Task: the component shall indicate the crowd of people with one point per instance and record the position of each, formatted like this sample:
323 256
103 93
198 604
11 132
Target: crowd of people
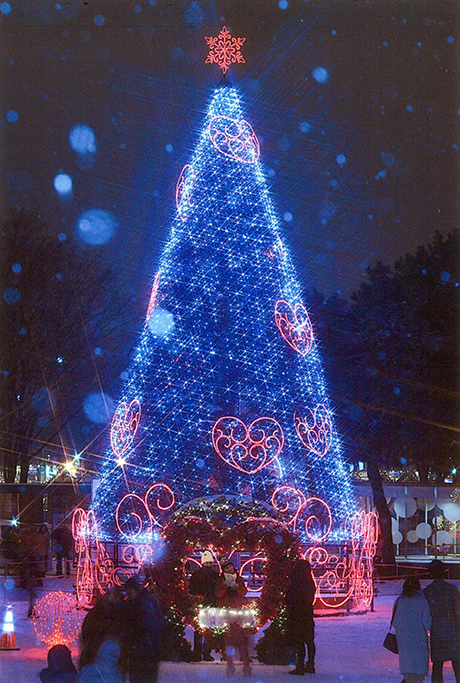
123 635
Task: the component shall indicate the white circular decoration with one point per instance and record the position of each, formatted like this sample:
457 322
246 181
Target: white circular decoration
412 536
405 504
442 502
442 538
425 503
452 512
397 537
423 530
394 524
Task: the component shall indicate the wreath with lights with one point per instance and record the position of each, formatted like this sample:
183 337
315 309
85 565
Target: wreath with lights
202 524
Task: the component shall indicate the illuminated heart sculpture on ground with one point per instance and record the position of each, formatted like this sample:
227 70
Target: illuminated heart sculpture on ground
295 325
247 449
315 429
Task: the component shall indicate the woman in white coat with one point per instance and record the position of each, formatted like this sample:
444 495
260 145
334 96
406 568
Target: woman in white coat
412 620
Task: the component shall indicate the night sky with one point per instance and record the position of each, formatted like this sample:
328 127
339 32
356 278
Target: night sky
354 103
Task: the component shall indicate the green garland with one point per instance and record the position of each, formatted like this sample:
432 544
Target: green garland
204 524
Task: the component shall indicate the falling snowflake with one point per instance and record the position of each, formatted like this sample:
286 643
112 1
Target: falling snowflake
224 50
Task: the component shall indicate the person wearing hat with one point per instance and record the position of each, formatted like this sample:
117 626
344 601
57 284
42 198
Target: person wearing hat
202 584
444 601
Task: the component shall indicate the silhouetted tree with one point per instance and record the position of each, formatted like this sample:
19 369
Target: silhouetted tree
392 357
57 303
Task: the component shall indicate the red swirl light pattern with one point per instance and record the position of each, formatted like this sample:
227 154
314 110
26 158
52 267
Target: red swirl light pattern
235 139
95 569
184 188
341 578
132 517
224 50
135 516
247 449
295 326
338 576
313 512
153 297
159 499
57 618
315 429
289 502
125 424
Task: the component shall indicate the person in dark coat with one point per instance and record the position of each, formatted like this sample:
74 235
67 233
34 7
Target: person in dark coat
60 666
230 593
203 584
444 601
300 625
411 620
104 621
144 633
63 545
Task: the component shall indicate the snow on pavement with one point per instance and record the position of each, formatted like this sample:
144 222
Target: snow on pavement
349 650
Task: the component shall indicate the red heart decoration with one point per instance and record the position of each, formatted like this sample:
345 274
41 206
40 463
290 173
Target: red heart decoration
295 325
125 424
248 449
315 429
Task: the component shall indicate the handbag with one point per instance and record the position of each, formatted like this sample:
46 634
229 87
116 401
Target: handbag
390 641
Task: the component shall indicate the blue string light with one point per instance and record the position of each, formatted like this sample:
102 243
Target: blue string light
226 392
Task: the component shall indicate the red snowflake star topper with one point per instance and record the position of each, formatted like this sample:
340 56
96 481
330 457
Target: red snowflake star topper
224 50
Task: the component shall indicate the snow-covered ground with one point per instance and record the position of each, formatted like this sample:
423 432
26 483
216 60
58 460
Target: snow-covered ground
349 649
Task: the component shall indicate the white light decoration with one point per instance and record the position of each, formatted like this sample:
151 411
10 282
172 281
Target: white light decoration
397 537
222 617
405 506
452 512
412 536
226 376
423 530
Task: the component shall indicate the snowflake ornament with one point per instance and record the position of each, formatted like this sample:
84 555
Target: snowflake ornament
224 50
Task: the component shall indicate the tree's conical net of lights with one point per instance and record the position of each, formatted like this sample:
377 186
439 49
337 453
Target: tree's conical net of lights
225 393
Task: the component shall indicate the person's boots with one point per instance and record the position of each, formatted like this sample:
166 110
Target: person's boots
299 670
310 667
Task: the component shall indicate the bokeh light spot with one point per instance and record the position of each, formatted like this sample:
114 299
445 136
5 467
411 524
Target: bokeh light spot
99 407
62 183
161 323
283 4
341 159
320 74
96 226
11 295
5 8
99 20
82 139
16 267
12 116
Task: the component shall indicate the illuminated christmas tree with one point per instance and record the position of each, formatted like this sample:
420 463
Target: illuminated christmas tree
225 394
